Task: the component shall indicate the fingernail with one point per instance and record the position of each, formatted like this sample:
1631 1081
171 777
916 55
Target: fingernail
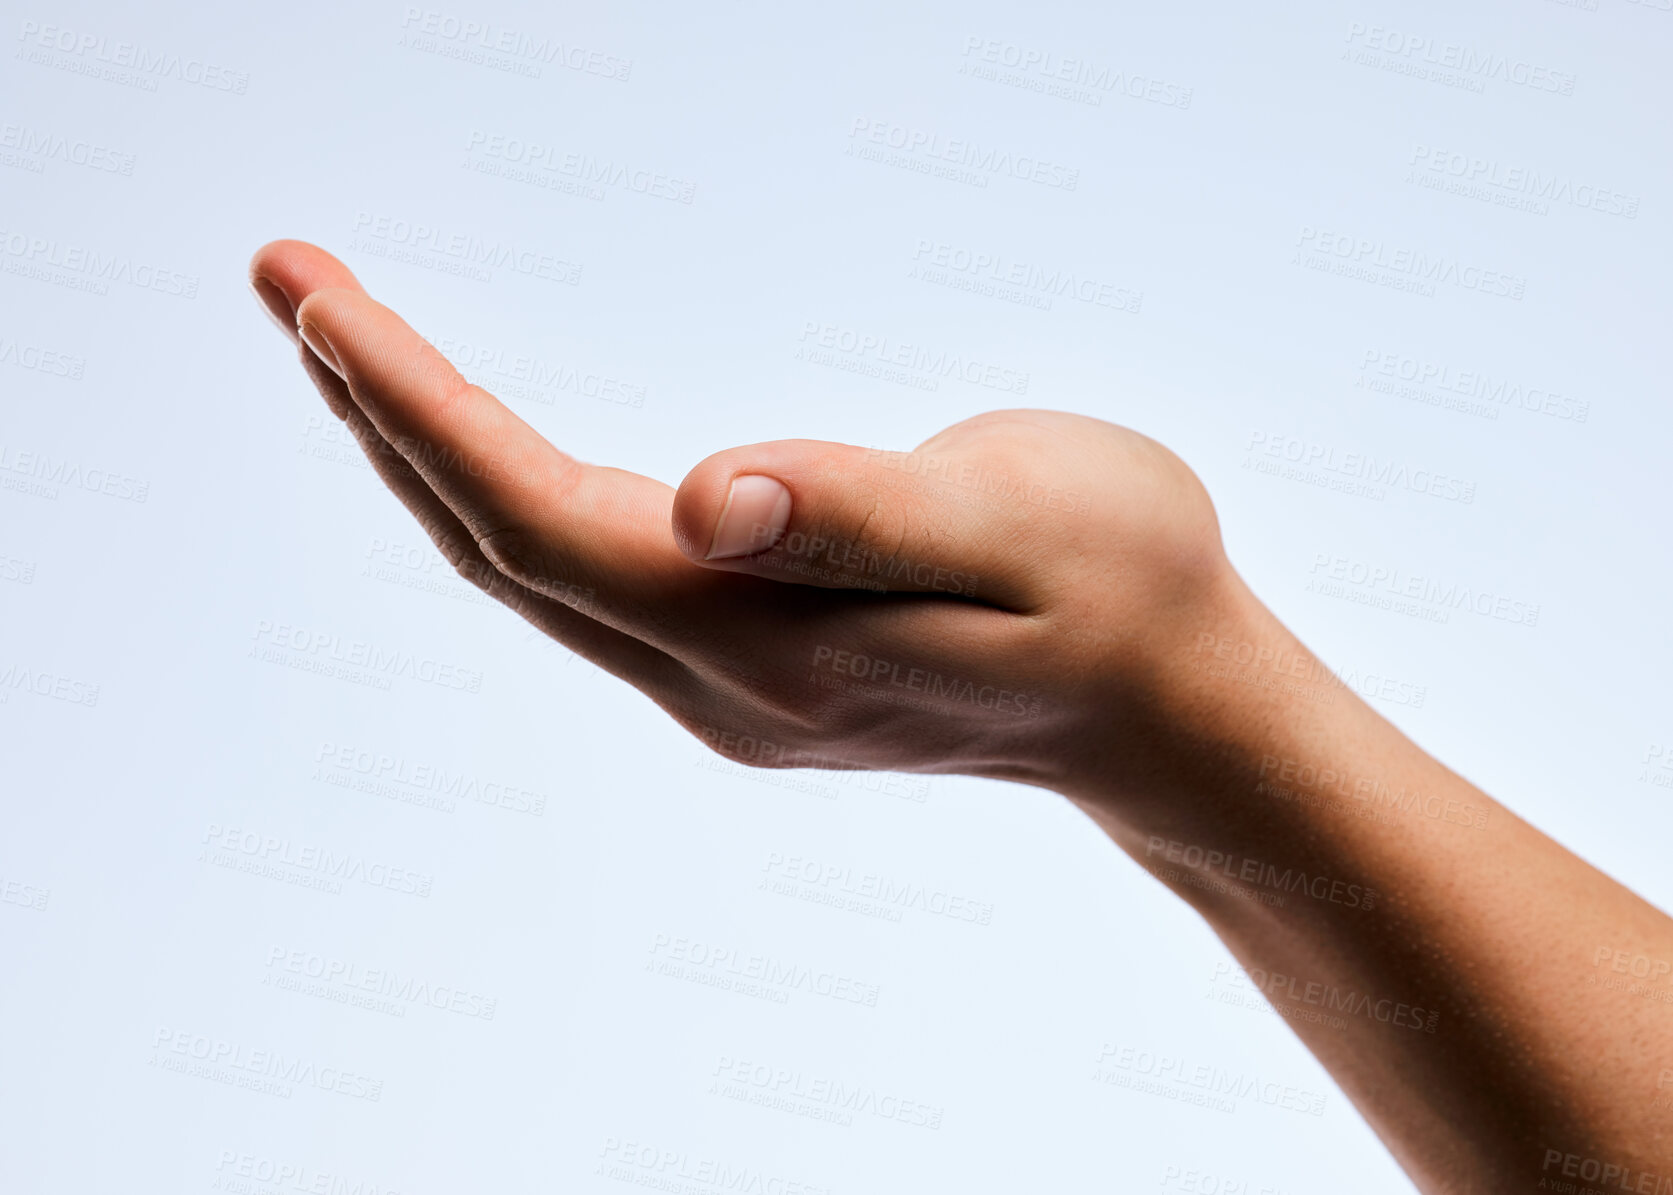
322 349
756 514
273 301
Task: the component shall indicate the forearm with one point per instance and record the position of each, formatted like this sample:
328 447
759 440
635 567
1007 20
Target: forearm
1108 615
1467 964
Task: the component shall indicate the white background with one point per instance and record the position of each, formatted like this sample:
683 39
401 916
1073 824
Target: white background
146 704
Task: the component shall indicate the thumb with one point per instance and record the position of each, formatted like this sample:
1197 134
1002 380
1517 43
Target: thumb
813 512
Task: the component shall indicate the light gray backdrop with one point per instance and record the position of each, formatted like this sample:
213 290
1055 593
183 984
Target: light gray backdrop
321 873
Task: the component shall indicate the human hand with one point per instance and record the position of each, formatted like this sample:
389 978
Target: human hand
996 602
1028 596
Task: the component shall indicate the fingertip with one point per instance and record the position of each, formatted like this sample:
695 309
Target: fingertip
344 314
326 321
265 260
297 269
743 496
754 518
699 501
277 305
328 303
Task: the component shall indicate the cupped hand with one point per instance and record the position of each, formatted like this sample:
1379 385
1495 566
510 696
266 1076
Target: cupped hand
1004 600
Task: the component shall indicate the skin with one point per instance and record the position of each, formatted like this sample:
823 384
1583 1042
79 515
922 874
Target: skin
1507 1005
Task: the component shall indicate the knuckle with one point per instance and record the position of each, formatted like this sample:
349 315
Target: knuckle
886 529
812 712
867 521
511 552
461 553
454 393
778 695
531 563
454 547
480 574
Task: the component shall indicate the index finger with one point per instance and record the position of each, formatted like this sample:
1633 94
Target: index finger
548 521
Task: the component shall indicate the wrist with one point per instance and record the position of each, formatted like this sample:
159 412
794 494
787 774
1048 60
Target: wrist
1227 702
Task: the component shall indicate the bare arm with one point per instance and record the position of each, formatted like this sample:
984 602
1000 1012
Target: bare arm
1041 597
1500 1011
